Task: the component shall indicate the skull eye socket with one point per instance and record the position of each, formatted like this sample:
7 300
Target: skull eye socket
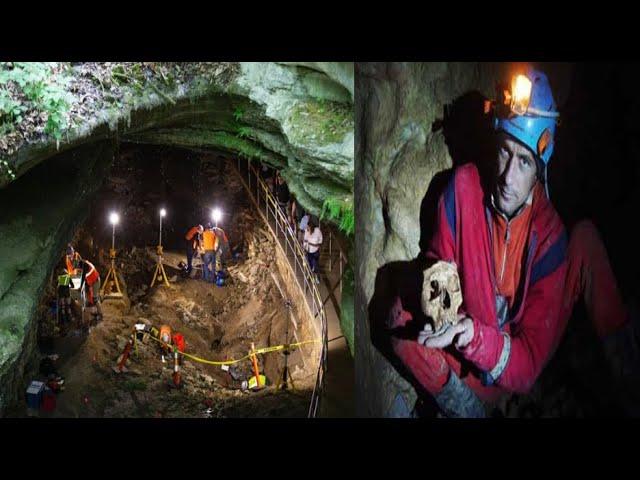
435 290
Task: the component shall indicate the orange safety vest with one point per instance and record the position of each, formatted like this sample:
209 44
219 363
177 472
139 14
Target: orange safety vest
209 240
165 336
71 269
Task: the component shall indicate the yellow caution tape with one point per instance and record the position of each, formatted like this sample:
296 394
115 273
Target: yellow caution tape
276 348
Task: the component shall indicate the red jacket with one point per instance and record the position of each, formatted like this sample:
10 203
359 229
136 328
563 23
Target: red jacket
513 356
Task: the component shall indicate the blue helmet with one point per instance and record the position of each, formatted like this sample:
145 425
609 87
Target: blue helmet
532 116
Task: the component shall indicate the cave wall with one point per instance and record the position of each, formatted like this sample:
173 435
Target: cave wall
339 72
401 147
308 326
295 116
38 214
347 320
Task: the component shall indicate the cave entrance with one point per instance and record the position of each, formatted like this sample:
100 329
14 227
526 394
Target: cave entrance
217 322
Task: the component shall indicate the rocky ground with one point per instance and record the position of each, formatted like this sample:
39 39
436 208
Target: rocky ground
218 323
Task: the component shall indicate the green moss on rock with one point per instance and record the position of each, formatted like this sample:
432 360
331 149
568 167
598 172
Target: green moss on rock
323 121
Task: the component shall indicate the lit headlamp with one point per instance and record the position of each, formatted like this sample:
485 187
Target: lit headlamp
520 94
519 98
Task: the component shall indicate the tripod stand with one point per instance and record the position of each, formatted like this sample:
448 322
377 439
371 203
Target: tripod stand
112 277
159 273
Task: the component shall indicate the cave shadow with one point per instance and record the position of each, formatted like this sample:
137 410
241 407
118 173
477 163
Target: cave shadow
469 137
401 279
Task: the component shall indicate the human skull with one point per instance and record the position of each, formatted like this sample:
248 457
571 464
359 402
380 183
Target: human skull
441 294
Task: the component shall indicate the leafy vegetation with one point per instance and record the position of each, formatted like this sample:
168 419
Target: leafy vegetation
324 120
27 87
11 110
238 113
135 77
243 132
341 211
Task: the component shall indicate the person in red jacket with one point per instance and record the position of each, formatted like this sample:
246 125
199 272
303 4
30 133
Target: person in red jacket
519 271
90 281
192 238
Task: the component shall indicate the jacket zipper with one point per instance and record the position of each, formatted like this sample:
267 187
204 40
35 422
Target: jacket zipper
506 247
492 264
530 249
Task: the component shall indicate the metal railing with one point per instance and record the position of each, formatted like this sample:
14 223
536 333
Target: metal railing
342 260
277 222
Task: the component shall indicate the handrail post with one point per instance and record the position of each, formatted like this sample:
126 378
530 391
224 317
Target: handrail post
330 257
311 293
340 275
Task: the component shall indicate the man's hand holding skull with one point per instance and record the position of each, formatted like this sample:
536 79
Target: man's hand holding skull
459 334
441 298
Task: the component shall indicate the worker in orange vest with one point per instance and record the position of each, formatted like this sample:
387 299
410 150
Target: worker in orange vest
209 245
193 244
165 337
72 260
72 268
